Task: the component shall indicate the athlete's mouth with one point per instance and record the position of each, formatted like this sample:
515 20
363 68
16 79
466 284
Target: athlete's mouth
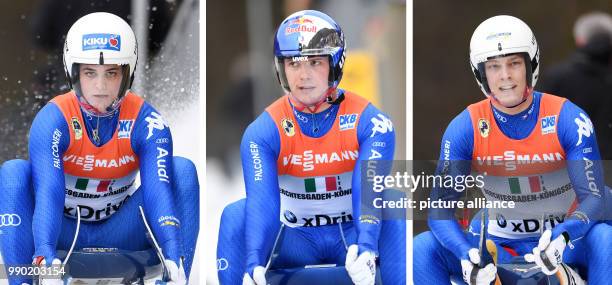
306 88
507 87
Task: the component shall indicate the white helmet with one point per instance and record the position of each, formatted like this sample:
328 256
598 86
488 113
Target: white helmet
101 38
500 36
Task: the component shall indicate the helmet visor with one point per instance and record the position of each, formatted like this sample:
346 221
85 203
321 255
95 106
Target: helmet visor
76 83
482 74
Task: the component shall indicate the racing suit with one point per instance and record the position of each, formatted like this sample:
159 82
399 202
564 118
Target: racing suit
91 164
550 131
302 171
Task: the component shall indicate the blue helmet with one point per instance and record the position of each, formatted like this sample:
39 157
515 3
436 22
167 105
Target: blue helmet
309 33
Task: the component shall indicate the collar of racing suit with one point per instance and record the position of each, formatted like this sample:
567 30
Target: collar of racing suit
520 125
316 124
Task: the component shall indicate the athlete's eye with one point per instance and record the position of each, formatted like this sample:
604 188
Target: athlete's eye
90 74
493 66
111 74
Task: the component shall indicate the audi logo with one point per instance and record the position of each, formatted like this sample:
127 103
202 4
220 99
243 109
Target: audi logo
9 220
222 264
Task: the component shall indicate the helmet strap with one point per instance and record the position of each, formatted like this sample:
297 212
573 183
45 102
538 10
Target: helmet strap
327 97
91 110
526 94
126 83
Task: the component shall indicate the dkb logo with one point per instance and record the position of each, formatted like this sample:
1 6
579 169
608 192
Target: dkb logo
348 122
548 124
125 128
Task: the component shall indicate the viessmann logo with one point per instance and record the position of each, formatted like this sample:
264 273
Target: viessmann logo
510 159
88 162
9 220
309 159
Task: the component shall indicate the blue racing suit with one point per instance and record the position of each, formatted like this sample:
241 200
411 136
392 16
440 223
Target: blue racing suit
309 237
437 253
46 198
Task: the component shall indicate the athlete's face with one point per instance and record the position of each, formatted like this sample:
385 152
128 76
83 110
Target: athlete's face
507 79
308 78
100 84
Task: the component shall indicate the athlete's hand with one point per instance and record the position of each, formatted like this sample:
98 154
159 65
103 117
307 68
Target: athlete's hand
259 277
54 267
484 276
548 254
362 268
175 273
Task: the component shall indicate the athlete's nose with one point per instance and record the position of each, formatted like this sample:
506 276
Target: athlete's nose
100 83
305 71
505 72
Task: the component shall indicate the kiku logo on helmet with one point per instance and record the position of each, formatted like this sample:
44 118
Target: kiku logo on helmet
101 41
9 220
114 42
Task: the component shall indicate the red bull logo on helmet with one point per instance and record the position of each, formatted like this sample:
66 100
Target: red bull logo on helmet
101 42
301 24
301 21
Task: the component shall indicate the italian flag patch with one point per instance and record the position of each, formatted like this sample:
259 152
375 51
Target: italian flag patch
322 184
524 185
82 183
